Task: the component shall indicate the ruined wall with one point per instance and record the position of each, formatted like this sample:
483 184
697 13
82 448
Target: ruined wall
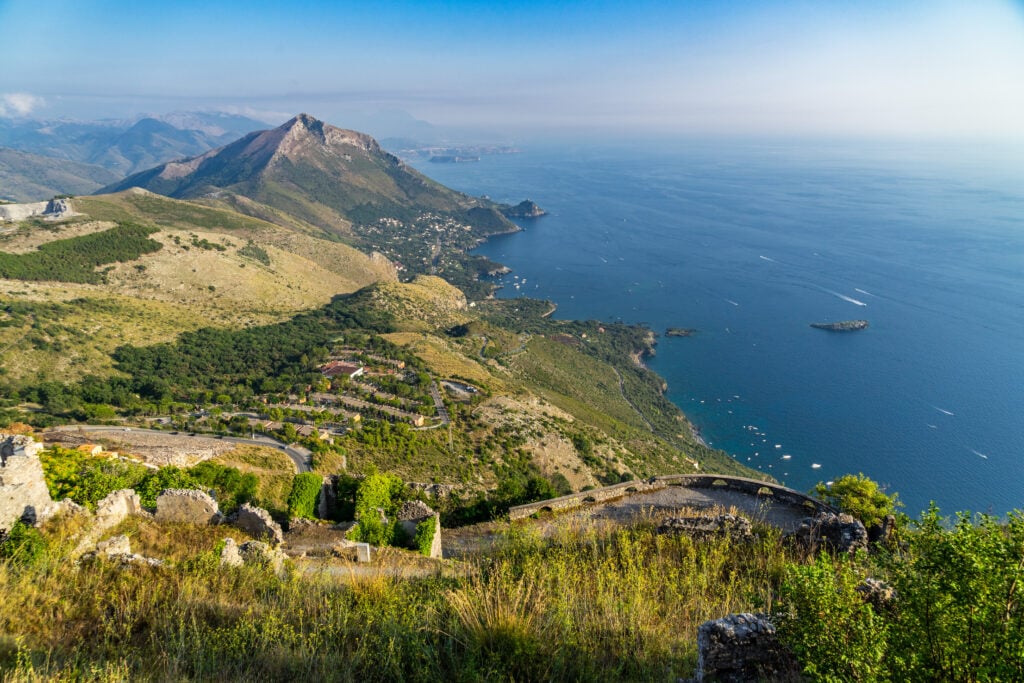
23 492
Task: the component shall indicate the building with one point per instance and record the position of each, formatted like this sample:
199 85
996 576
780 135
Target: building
337 368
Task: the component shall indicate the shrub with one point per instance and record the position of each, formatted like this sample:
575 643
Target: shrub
22 544
834 633
303 498
961 617
425 535
377 492
859 496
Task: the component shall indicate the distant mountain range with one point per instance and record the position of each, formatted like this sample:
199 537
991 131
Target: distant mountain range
26 177
125 147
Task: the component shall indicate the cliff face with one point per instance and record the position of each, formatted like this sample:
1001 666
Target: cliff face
23 492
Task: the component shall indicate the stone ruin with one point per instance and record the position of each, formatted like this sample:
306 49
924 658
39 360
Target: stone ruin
259 524
743 647
23 492
252 553
409 517
840 533
705 527
119 549
187 505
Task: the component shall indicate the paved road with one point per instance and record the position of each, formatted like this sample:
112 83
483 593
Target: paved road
302 457
442 412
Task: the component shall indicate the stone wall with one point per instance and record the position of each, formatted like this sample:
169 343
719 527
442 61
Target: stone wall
188 506
23 492
410 515
754 487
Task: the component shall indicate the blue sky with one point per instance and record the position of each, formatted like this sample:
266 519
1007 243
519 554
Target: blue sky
899 67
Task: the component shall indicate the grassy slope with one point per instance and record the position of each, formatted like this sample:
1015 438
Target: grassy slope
182 287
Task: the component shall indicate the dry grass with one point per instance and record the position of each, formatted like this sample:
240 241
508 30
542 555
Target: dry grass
274 469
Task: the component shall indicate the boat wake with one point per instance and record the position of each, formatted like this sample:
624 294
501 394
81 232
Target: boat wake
846 298
979 454
765 258
943 411
864 291
732 302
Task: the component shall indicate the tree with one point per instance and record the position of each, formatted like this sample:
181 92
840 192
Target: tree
859 496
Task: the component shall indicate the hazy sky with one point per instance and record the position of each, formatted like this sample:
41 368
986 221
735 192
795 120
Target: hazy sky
851 67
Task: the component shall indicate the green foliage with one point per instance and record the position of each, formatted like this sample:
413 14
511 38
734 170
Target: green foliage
75 259
256 253
835 634
88 479
859 496
961 614
425 531
377 492
22 544
303 498
231 488
155 482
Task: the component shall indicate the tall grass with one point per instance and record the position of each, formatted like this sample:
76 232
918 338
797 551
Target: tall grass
584 604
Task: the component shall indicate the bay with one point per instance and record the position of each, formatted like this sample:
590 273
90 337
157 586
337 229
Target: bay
749 242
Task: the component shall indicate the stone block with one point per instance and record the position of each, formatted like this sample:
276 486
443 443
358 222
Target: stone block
742 647
188 506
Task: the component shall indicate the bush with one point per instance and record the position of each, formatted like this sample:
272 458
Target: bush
303 498
22 544
425 535
859 496
377 492
961 617
834 633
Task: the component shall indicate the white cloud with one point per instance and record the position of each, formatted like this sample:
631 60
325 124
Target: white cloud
19 104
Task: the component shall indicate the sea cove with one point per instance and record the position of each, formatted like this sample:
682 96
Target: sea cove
748 243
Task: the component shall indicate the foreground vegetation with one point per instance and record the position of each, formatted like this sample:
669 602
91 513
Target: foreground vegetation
584 604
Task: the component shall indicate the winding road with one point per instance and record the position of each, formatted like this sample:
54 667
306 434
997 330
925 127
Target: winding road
300 456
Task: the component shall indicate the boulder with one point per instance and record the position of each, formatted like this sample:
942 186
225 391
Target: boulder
840 533
188 506
703 527
111 511
262 554
259 524
743 647
229 555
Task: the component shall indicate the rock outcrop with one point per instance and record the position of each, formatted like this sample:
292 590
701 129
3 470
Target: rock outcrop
840 533
742 647
53 210
23 492
188 506
524 209
411 515
259 524
111 511
738 528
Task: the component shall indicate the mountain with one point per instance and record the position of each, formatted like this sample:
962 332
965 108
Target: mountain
126 146
26 177
327 176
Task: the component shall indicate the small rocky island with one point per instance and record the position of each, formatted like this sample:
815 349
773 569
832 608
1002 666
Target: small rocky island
524 209
843 326
680 332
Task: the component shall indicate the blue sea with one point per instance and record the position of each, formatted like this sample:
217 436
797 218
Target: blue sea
749 242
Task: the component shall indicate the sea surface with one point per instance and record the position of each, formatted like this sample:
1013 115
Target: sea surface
750 242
